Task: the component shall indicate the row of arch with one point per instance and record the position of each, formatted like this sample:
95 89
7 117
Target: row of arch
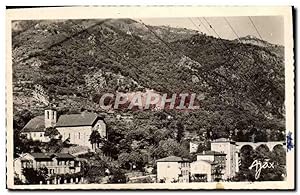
262 146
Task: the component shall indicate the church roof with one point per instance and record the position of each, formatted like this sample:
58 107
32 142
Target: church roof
173 159
82 119
36 124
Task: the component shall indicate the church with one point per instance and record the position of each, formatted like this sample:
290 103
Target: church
77 128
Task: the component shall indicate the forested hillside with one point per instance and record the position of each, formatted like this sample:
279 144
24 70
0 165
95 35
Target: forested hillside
240 84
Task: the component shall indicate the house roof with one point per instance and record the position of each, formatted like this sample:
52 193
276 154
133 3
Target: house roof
49 156
82 119
41 156
223 140
211 153
173 159
36 124
63 156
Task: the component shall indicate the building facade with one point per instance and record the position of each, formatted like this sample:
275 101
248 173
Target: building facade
173 169
55 163
209 166
76 128
229 148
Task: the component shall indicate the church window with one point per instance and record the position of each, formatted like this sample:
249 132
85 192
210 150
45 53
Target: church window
47 114
78 135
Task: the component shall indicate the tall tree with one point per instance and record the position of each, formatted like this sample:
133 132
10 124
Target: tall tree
95 139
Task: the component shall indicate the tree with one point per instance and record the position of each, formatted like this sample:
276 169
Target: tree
118 176
260 136
246 159
132 159
35 176
20 119
95 139
170 147
218 172
24 145
180 132
204 146
55 145
17 180
51 132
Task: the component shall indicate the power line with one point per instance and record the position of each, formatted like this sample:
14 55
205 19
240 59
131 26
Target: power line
232 28
216 34
159 38
180 54
204 26
203 76
198 27
211 27
255 27
175 52
242 77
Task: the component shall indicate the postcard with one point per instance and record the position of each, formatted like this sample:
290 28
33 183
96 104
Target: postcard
141 97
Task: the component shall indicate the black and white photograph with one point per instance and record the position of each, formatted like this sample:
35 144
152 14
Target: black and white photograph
151 102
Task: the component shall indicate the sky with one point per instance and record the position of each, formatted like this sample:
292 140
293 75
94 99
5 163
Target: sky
271 28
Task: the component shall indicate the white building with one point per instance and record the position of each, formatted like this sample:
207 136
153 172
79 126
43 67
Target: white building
229 148
208 166
194 146
56 163
173 169
77 128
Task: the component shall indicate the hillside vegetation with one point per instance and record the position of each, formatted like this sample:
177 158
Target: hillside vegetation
241 84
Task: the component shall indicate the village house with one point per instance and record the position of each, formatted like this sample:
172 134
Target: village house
173 169
227 147
209 166
76 128
56 163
